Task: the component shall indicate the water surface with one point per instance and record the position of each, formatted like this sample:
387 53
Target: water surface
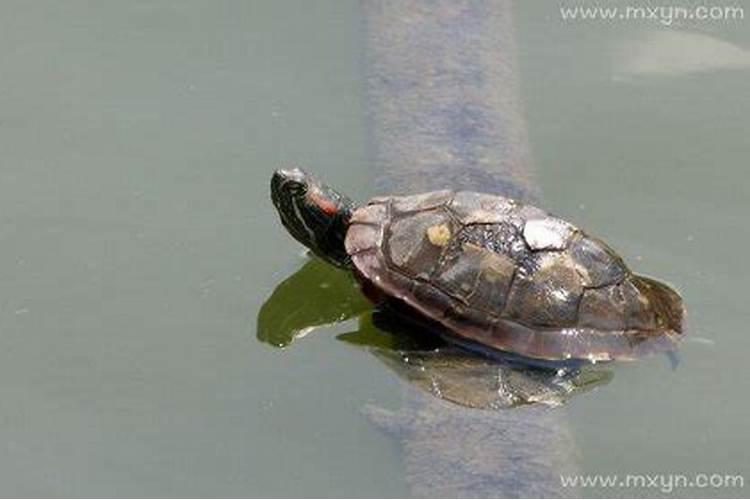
137 243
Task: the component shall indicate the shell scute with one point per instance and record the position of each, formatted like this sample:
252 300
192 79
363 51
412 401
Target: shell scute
549 295
362 237
494 282
602 308
458 274
425 201
597 263
417 241
477 208
478 277
502 238
530 212
370 214
549 233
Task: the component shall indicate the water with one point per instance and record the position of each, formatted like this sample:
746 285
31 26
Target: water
137 243
656 164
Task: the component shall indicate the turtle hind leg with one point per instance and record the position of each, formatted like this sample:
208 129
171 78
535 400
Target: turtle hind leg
668 305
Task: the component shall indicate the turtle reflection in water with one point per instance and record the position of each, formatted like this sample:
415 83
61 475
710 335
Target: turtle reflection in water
409 347
495 274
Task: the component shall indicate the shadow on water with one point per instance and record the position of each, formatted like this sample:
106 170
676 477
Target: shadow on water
319 294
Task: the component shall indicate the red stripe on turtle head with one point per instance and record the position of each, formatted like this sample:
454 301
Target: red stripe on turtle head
326 205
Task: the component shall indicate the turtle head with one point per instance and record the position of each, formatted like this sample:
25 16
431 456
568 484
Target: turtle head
315 214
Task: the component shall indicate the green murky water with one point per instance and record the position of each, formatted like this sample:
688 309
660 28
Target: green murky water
137 243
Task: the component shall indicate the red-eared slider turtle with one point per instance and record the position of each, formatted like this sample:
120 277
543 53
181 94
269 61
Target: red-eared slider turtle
493 271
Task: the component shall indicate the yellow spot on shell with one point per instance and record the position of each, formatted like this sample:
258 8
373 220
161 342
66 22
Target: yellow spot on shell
439 234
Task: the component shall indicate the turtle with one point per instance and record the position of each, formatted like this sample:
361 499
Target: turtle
499 275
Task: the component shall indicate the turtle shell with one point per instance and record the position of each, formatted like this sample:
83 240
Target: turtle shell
511 277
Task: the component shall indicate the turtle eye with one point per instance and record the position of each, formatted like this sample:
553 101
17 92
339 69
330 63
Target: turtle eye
288 183
295 188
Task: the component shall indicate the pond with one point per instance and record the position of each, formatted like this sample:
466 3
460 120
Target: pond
138 244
